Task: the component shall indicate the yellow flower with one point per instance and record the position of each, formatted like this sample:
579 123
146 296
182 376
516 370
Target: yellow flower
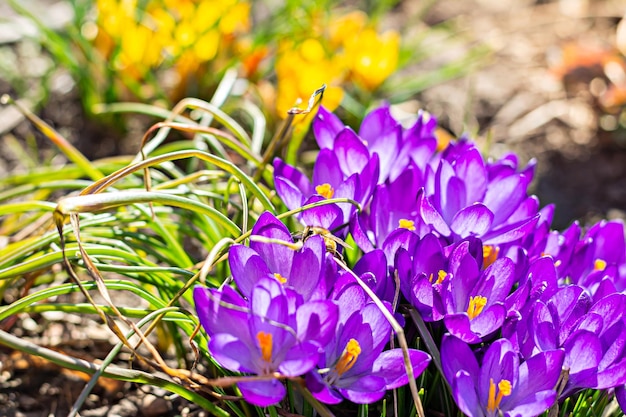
372 58
345 27
301 70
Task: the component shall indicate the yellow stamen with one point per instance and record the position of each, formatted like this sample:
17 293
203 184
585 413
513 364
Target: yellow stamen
265 343
325 190
406 224
504 390
280 278
441 275
599 265
490 254
476 306
348 357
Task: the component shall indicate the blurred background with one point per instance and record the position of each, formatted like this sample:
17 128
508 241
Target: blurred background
545 79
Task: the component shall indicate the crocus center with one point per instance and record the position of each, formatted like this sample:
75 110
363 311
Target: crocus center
348 357
495 398
599 265
265 343
490 254
280 278
476 306
406 224
441 275
325 190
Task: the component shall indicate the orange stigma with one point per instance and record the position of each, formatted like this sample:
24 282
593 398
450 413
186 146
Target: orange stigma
406 224
504 390
348 357
476 306
325 190
490 254
265 343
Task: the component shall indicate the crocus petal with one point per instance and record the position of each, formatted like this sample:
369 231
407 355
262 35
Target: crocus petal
456 355
348 189
233 354
612 376
474 220
583 353
300 359
538 374
510 232
454 199
327 216
501 274
535 405
375 263
262 393
326 169
277 257
365 390
359 232
317 321
215 317
422 296
470 167
390 366
307 265
380 327
499 362
247 267
490 320
320 390
291 195
465 395
351 153
431 216
383 134
504 195
459 325
325 127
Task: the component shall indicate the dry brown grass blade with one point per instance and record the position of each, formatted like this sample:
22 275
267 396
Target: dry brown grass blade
157 362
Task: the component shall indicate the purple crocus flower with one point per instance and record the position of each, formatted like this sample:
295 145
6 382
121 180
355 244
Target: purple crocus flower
304 269
473 300
460 199
598 261
500 385
329 181
382 135
593 336
273 332
421 272
591 333
355 366
393 206
372 269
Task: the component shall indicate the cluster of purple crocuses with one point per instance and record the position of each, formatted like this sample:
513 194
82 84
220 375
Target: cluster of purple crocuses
529 315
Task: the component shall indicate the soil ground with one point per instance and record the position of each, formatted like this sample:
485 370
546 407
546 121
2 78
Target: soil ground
523 99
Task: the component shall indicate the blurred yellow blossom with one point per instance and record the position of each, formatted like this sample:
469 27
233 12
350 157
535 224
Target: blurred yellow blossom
301 69
342 50
345 26
371 57
138 37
